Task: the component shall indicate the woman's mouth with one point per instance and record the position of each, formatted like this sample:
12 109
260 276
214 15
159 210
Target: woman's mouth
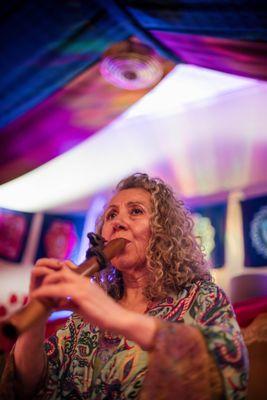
119 236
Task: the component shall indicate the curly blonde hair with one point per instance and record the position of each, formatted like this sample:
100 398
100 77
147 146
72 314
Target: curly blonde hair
174 255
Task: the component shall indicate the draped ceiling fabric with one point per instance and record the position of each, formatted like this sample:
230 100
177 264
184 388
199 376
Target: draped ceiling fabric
52 94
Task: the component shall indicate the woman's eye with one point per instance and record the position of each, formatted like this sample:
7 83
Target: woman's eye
136 211
110 215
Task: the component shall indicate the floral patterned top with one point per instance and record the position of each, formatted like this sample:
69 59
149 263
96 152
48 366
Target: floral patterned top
85 362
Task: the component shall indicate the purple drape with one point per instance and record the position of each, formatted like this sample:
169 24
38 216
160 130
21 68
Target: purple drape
244 58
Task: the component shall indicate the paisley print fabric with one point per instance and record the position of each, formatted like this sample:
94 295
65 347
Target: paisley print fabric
87 363
177 347
214 316
84 362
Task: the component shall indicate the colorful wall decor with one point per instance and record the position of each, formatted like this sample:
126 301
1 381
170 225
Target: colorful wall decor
61 236
254 212
210 224
14 231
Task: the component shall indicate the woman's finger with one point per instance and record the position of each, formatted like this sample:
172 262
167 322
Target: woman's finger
57 291
49 262
42 271
45 267
37 276
69 264
64 275
55 263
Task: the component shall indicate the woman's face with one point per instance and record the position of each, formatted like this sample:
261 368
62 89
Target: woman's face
128 216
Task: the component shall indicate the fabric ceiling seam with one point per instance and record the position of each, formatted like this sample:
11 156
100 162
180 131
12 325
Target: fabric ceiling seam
118 11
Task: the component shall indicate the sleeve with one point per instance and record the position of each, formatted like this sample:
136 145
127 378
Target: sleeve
215 318
57 354
10 386
202 358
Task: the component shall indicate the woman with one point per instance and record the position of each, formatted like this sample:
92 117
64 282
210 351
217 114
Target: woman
168 332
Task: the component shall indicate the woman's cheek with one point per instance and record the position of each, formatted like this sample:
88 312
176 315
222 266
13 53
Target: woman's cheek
106 232
130 258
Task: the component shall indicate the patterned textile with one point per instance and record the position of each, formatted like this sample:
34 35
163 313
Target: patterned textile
85 362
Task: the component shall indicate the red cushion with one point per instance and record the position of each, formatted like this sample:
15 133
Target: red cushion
247 310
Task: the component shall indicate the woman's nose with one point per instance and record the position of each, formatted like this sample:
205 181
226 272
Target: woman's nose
118 224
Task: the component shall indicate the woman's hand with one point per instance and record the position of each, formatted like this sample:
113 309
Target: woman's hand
89 300
80 295
45 267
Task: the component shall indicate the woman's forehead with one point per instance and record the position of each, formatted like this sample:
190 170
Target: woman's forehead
133 195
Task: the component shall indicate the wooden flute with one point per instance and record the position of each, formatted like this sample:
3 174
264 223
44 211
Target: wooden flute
24 318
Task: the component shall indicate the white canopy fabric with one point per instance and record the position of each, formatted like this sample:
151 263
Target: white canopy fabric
202 131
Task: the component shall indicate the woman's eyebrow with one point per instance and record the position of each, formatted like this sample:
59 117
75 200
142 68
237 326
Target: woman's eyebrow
132 203
111 206
129 204
139 203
